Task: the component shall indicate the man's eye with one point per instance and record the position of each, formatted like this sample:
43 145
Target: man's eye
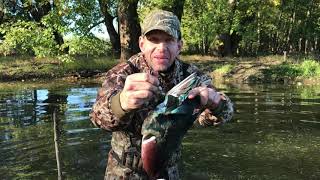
153 39
168 40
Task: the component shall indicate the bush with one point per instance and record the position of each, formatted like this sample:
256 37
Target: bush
224 69
27 38
286 70
307 68
310 68
88 45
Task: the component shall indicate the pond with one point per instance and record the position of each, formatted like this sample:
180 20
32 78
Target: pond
275 134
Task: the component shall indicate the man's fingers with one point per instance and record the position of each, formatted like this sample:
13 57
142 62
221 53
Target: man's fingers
216 97
204 95
209 97
142 86
203 92
193 93
139 88
142 94
144 77
135 99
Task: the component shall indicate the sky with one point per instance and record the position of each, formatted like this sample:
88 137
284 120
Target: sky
101 32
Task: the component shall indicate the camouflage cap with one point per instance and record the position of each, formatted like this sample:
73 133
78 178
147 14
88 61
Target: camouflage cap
162 20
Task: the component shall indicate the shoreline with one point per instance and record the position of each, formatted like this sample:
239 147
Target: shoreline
256 70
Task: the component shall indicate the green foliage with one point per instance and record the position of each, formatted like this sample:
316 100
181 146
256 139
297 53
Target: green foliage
310 68
81 63
201 23
53 20
310 92
83 14
27 38
88 45
285 70
271 26
66 58
224 69
254 27
28 68
307 68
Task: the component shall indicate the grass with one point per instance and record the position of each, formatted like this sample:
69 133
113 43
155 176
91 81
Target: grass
306 69
224 69
90 64
26 68
272 68
310 68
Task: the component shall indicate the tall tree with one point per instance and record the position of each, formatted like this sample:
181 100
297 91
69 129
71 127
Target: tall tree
108 10
39 9
33 11
129 28
175 6
203 22
1 11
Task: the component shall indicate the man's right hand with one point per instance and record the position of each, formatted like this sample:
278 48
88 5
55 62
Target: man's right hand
138 89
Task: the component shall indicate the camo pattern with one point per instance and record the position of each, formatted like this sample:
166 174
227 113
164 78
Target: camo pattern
126 130
162 20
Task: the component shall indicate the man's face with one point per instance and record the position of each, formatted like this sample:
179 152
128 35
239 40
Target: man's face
160 49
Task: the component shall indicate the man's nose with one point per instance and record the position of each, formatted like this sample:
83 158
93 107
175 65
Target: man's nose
162 46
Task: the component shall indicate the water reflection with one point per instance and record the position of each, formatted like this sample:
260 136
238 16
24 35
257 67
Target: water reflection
275 135
269 138
32 143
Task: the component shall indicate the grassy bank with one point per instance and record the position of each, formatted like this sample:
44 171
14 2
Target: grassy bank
264 69
30 68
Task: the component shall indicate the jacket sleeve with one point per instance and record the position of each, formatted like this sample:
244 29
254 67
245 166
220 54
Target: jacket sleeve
106 112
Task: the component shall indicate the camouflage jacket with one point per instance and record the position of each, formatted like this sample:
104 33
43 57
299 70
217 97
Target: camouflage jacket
126 126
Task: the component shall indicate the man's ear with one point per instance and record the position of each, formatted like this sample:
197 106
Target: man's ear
141 43
180 45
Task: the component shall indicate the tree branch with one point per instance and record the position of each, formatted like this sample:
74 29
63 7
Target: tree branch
94 25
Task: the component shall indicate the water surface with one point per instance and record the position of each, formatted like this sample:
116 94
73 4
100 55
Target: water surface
275 134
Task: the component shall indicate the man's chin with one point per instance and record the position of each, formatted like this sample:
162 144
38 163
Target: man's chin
160 68
164 70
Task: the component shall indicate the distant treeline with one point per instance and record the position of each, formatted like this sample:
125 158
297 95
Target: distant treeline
218 27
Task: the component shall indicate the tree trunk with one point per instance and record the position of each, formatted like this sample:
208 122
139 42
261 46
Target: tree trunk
228 44
129 28
176 6
299 45
57 35
306 46
315 43
292 22
59 40
227 51
1 16
258 33
37 10
113 35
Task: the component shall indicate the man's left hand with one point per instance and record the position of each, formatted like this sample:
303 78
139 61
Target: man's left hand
210 98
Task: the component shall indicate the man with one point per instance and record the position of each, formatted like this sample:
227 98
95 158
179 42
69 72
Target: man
132 89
